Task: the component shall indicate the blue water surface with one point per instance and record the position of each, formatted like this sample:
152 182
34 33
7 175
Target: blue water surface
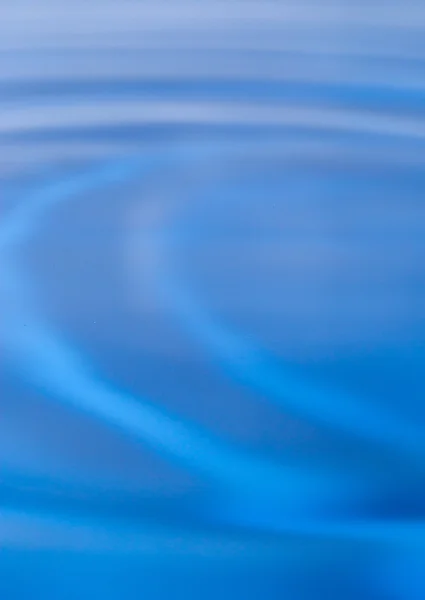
212 247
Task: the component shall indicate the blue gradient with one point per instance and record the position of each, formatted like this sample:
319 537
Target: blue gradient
212 295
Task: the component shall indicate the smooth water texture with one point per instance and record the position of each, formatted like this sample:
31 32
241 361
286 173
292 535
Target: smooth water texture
212 246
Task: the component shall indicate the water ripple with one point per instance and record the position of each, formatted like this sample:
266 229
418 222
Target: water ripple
212 254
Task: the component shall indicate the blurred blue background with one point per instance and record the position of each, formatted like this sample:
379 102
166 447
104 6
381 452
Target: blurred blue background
212 247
